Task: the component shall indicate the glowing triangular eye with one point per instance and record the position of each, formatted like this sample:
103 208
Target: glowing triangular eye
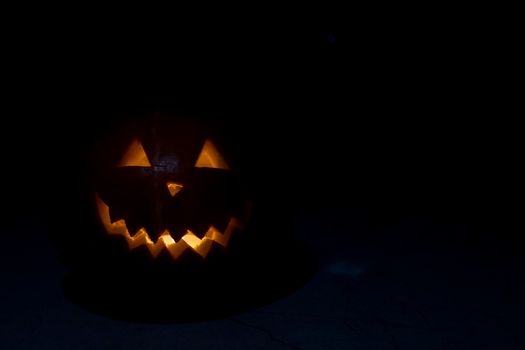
135 156
211 158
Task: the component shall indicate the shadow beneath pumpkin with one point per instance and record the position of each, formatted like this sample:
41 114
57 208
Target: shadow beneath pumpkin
193 292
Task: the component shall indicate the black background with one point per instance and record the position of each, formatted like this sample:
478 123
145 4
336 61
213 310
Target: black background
384 109
390 115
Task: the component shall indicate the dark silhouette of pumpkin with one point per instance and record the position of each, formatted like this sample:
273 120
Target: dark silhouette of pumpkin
166 226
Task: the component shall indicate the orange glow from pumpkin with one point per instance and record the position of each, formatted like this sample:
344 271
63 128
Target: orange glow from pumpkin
165 241
174 188
211 158
135 156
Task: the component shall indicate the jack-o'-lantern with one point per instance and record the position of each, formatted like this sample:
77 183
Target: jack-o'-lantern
166 209
170 187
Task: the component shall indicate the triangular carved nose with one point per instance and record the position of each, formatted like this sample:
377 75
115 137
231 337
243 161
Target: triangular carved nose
174 188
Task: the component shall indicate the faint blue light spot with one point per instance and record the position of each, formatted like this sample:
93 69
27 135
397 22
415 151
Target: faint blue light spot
346 269
331 38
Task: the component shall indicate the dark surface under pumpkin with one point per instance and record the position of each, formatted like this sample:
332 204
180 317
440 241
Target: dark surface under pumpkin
219 288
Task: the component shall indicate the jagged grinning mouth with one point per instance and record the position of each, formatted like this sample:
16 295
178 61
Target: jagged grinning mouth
165 241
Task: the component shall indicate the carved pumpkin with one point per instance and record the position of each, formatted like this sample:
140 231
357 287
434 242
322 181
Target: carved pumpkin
169 187
164 211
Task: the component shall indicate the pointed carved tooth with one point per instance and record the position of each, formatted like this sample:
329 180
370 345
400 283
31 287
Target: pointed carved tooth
176 249
200 246
204 247
220 238
140 238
